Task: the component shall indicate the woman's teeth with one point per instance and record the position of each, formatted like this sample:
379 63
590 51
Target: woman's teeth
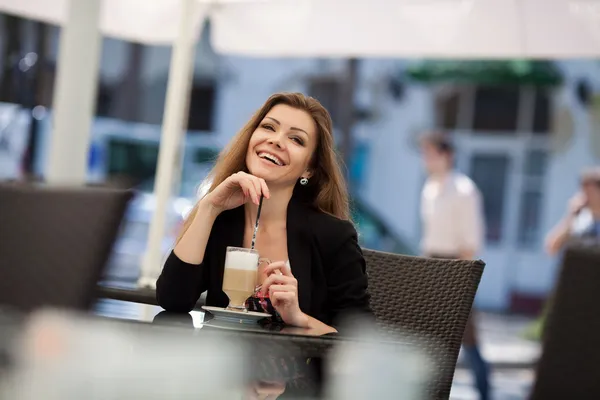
271 157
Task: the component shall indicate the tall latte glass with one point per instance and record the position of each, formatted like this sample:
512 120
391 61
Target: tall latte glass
239 280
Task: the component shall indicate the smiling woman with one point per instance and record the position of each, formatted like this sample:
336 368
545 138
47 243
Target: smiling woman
327 189
284 154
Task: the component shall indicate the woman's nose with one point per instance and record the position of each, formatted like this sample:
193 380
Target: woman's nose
275 140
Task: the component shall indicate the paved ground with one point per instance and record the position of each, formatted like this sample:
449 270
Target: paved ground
502 342
507 384
512 359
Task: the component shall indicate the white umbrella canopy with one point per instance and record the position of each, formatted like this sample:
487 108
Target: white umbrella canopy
142 21
409 28
361 28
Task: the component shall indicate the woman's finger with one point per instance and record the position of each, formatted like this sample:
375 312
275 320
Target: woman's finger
282 266
257 186
237 177
274 267
280 279
283 294
282 297
265 188
277 280
247 184
282 288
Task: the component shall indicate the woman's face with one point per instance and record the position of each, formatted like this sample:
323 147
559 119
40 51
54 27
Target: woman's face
282 146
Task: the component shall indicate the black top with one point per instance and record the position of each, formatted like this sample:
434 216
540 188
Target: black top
323 252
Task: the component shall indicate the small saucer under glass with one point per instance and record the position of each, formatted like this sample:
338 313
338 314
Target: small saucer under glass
241 317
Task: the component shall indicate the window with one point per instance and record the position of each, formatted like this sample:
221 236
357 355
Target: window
134 161
531 198
104 100
496 108
529 217
201 109
448 108
489 172
541 112
205 155
535 163
327 91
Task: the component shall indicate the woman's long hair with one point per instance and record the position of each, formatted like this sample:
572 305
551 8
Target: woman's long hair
326 190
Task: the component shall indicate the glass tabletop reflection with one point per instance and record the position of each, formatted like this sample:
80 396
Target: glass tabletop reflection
270 360
123 310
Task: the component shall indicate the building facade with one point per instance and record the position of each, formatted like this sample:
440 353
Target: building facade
523 145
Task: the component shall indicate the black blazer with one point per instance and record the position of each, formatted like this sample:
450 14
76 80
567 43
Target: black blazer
324 255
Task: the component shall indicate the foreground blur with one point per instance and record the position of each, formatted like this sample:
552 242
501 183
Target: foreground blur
68 356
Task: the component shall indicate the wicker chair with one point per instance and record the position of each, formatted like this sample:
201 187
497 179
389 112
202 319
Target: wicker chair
568 366
429 299
54 242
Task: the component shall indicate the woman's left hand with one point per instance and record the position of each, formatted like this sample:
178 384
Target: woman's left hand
282 288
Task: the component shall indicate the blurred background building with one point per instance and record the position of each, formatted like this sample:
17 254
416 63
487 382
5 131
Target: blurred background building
523 131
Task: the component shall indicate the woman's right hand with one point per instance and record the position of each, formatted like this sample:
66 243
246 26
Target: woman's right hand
237 190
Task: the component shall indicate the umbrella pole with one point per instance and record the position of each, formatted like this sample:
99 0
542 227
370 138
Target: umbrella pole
75 94
169 160
347 116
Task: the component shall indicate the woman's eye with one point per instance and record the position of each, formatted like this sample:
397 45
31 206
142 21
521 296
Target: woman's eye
298 140
268 127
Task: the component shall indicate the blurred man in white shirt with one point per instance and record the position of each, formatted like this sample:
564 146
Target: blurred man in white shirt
453 227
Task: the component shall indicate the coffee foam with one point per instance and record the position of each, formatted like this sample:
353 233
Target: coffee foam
241 260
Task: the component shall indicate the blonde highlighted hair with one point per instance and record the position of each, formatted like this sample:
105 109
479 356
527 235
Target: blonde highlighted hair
326 190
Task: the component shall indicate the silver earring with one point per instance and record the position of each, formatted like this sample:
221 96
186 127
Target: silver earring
304 181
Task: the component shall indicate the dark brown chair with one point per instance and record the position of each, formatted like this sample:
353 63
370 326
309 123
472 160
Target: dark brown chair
428 299
54 243
569 366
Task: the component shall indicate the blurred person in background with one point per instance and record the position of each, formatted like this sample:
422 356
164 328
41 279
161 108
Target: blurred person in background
582 219
453 227
318 274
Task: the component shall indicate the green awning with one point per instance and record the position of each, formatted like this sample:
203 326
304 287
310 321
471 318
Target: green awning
510 72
